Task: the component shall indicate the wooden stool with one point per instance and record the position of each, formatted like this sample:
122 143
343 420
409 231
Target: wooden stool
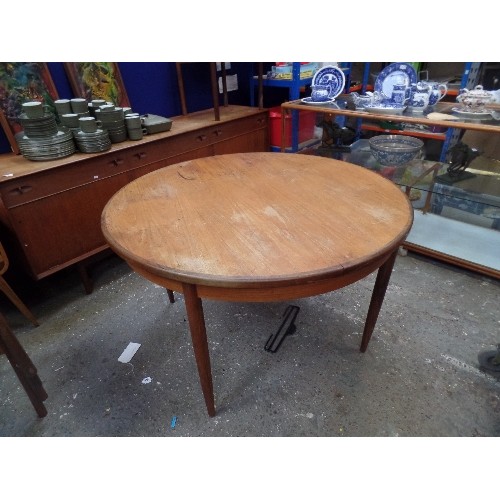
23 366
4 265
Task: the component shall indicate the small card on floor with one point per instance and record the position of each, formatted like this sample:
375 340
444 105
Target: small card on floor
129 352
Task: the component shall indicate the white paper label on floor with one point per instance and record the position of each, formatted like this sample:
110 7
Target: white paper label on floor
129 352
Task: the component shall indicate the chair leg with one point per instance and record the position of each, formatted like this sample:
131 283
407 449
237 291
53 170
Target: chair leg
24 368
17 301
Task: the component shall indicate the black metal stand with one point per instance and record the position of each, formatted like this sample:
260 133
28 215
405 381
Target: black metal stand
287 327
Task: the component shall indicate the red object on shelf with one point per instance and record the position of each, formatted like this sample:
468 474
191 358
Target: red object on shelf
307 120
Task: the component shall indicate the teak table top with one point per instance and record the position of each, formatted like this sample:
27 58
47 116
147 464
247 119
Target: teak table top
257 219
258 227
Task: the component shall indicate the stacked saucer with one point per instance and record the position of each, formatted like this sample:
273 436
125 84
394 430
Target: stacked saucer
111 118
92 142
41 138
43 126
50 147
117 133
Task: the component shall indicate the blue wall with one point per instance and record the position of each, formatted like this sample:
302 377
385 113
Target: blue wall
152 87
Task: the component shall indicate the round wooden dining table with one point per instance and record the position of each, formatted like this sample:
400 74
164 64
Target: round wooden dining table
258 227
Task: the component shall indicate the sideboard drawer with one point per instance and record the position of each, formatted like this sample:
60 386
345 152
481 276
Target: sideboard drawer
173 146
45 183
242 126
197 140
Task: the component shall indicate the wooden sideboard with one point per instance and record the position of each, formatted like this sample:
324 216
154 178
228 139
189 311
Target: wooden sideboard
51 211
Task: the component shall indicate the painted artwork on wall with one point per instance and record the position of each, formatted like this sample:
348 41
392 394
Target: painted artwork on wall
97 80
21 82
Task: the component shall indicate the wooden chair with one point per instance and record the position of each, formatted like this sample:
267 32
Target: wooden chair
23 366
4 265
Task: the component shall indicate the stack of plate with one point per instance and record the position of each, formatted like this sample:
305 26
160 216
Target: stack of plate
92 142
51 147
117 130
112 119
44 126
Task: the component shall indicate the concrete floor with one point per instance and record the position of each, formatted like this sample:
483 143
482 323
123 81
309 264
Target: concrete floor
419 377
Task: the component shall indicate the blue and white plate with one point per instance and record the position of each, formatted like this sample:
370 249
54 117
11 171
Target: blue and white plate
395 73
309 100
330 75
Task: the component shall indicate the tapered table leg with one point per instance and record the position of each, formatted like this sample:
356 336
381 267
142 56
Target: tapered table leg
383 276
196 320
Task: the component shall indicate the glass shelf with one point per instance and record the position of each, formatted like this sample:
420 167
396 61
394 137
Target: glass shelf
457 223
459 219
480 184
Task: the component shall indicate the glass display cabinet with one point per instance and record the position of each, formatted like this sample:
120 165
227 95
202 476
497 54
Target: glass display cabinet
456 221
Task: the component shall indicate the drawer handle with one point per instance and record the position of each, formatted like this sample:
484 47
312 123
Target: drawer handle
21 189
117 161
261 120
140 155
218 132
202 137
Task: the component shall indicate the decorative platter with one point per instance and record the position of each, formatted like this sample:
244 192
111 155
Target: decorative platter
330 75
468 115
385 110
309 100
395 73
416 110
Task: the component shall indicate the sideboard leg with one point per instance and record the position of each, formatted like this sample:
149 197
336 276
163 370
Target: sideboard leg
383 276
87 282
194 309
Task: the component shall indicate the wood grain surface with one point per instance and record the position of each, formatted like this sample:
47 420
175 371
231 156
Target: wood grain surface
256 220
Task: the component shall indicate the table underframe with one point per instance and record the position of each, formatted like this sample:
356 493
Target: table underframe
194 293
